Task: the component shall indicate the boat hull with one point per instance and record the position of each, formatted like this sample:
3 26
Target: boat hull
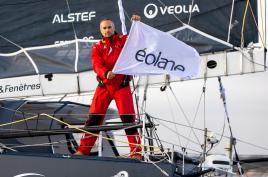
14 165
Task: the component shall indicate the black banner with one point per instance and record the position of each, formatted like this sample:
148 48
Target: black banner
30 23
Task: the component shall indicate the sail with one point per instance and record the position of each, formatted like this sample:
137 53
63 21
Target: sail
37 23
45 46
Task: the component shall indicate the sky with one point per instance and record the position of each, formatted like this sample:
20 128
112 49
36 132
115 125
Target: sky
247 102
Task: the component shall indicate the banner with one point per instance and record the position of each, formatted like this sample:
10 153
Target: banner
45 22
150 51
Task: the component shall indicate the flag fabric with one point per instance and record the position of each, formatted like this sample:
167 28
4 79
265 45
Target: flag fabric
149 51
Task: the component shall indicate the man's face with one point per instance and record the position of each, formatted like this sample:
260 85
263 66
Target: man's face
107 28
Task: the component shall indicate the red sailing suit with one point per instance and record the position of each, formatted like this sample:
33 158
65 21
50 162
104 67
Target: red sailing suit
104 56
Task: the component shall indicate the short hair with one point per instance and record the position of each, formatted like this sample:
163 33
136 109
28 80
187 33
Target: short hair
106 19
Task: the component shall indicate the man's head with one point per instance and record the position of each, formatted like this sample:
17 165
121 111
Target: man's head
107 28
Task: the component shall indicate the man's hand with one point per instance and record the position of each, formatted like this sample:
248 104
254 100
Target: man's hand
135 18
110 75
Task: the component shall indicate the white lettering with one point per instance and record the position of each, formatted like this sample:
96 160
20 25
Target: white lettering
185 9
56 19
196 8
77 17
163 9
178 9
73 17
171 10
151 10
92 14
85 16
62 19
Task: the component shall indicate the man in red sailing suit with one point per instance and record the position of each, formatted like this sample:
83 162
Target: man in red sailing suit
111 86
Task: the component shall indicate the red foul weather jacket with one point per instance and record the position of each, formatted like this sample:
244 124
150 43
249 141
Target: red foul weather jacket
104 56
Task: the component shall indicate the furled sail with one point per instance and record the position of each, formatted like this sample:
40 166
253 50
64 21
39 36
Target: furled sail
45 46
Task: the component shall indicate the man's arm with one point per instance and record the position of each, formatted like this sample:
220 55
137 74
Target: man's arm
97 63
110 74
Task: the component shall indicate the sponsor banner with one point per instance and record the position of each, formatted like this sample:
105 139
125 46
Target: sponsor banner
152 10
44 85
150 51
49 22
20 87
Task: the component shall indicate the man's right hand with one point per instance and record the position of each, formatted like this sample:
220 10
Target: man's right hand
110 75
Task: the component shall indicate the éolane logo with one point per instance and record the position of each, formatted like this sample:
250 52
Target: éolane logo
74 17
158 61
151 10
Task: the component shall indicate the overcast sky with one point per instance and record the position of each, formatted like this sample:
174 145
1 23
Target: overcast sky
247 102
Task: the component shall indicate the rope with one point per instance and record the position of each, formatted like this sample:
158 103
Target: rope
243 24
93 134
255 22
18 121
71 126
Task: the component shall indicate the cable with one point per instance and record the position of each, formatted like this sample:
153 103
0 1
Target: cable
190 16
173 117
186 118
193 122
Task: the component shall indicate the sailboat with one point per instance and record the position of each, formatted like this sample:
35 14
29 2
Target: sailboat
46 83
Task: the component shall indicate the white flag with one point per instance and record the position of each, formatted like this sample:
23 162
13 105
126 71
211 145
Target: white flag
150 51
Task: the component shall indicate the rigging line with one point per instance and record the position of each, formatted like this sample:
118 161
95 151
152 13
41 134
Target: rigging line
187 138
138 115
30 113
129 19
177 123
41 144
163 4
177 145
242 141
251 61
251 165
243 25
263 21
190 16
158 167
173 117
186 118
193 122
93 134
256 24
230 22
18 121
69 9
222 133
122 17
11 42
254 145
76 42
27 2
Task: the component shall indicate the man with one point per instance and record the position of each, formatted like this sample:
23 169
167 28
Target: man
111 86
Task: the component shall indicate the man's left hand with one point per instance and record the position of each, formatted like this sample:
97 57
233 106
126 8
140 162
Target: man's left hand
135 18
